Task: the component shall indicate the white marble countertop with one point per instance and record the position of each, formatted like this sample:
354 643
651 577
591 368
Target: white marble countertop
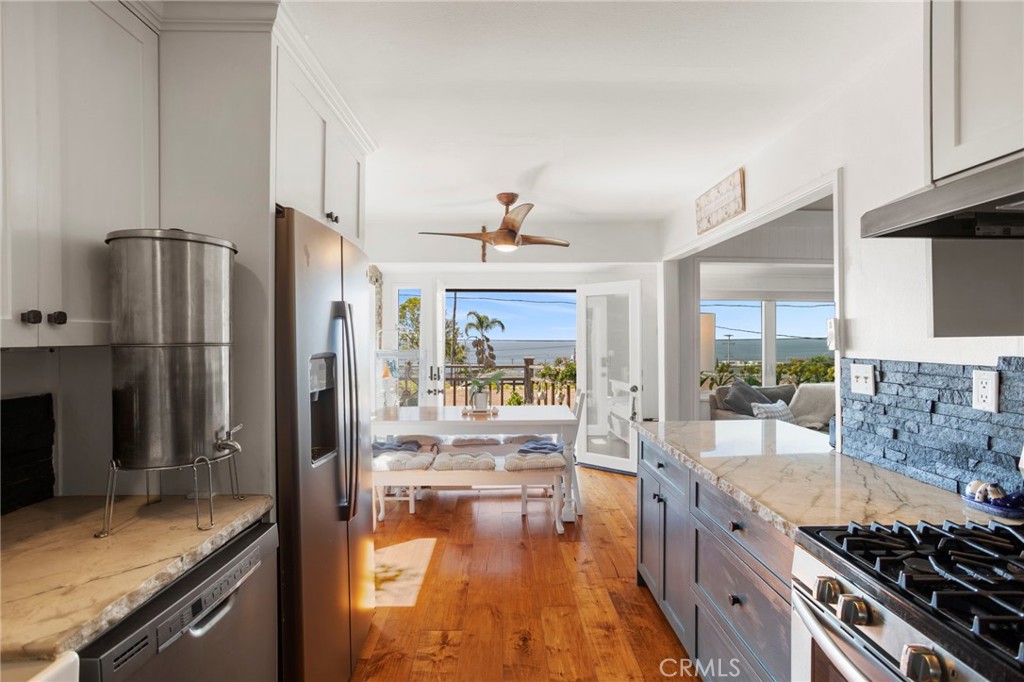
790 477
61 587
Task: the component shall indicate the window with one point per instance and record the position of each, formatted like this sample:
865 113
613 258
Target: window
409 319
795 352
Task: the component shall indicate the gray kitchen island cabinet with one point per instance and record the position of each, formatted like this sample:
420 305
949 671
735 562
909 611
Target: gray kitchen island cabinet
719 573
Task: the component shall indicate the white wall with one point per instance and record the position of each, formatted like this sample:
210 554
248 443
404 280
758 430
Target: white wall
434 278
875 130
216 141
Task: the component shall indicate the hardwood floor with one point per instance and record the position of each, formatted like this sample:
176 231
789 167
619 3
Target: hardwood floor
468 589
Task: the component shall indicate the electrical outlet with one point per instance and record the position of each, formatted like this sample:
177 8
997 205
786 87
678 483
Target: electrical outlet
862 379
985 395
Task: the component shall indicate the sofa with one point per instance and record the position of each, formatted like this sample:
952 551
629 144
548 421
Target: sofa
813 405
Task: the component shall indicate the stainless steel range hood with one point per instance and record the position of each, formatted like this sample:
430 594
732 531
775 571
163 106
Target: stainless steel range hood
988 204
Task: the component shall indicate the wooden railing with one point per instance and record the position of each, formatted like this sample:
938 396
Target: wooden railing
518 379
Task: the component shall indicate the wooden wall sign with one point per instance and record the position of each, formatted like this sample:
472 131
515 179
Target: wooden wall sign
725 200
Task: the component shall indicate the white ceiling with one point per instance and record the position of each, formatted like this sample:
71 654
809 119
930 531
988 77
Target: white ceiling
597 112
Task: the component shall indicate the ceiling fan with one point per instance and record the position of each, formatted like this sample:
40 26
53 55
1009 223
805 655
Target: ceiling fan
507 237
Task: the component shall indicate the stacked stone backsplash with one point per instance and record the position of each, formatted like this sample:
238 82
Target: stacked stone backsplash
920 422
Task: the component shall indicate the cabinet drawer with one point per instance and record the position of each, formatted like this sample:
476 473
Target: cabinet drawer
743 528
666 466
715 651
756 612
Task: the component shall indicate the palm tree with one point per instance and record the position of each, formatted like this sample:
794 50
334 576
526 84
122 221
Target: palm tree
482 324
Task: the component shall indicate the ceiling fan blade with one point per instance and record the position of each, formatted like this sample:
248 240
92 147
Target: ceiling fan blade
526 239
479 236
514 219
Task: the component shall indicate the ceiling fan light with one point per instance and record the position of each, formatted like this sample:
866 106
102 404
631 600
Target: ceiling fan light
506 248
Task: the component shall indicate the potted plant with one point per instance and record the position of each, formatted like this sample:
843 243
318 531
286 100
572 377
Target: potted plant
480 390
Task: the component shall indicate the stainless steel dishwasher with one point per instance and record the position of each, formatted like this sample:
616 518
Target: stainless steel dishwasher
216 623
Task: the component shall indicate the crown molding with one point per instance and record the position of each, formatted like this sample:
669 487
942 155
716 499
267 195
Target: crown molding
236 16
292 40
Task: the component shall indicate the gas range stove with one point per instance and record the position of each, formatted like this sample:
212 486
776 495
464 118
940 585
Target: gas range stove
954 592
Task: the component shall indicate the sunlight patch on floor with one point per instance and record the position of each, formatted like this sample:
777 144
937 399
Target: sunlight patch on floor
400 570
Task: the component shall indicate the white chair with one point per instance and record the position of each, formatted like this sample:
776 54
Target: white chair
573 499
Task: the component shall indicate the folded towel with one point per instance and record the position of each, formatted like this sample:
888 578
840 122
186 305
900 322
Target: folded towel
395 447
519 462
542 446
464 461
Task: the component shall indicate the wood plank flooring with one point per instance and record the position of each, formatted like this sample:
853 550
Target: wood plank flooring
468 589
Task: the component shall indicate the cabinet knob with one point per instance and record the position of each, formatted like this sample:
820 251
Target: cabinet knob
735 526
659 465
734 600
920 664
57 317
32 316
332 217
656 497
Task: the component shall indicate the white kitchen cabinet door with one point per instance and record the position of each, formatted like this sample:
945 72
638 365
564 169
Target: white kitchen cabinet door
977 83
343 183
82 129
301 141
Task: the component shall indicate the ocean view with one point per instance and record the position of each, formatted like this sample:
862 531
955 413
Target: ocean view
512 351
747 350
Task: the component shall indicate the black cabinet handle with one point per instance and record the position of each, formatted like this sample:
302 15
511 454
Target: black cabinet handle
57 317
32 316
659 465
654 496
735 526
734 600
332 217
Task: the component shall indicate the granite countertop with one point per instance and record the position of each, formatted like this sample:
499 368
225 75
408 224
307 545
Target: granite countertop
61 587
790 477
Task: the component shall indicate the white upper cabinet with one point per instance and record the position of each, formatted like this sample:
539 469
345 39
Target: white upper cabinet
977 82
80 159
319 170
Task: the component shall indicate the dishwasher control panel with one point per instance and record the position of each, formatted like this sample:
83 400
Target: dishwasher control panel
173 627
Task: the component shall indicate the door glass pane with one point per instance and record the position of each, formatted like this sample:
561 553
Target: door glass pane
737 341
609 404
801 351
399 370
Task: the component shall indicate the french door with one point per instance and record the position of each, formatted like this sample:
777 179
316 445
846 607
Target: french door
608 369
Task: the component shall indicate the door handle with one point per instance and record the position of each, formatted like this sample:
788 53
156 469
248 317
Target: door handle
355 422
210 622
339 312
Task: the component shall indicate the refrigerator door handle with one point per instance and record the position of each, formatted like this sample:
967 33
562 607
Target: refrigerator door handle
354 416
339 312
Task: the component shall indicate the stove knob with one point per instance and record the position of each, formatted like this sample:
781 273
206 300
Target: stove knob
853 610
920 664
826 589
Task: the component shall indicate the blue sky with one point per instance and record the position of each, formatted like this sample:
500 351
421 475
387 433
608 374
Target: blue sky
526 314
742 319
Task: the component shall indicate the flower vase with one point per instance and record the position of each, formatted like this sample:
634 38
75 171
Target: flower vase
481 400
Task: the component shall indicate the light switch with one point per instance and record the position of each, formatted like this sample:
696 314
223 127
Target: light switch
862 379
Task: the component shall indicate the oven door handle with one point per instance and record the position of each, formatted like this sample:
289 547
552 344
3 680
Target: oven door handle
823 637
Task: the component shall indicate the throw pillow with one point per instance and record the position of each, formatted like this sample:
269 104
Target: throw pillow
783 392
777 410
741 395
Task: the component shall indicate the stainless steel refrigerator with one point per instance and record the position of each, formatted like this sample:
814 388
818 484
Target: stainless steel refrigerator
323 348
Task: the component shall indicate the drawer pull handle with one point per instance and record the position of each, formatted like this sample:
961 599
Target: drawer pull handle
734 600
735 526
659 465
58 317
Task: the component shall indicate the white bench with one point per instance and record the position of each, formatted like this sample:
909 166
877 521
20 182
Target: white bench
498 477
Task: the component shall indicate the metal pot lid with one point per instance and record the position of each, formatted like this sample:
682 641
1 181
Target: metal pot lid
172 233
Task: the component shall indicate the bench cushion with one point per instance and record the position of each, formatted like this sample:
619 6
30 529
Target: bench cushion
422 441
522 462
542 447
463 441
464 461
402 461
526 438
